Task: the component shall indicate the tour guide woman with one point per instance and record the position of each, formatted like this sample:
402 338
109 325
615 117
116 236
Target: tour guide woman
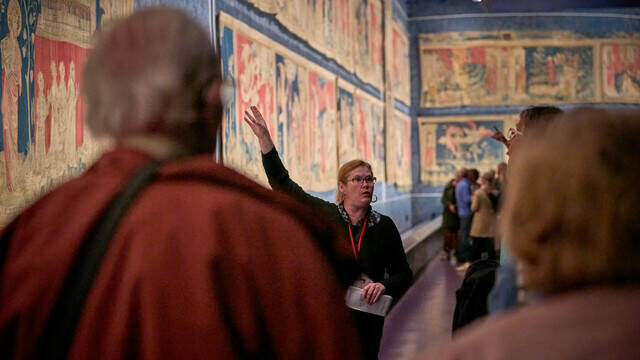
374 238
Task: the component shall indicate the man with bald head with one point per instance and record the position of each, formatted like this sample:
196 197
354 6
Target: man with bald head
160 252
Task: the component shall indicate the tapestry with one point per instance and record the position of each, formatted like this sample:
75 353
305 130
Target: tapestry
507 72
250 66
349 31
397 54
44 45
344 26
361 129
296 98
450 143
621 71
112 10
370 132
327 25
293 15
398 143
322 143
368 42
292 127
268 6
347 146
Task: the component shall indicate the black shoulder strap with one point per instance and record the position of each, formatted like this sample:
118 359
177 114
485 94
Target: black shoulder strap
55 341
4 242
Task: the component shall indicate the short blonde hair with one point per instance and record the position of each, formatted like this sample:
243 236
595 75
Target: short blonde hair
343 174
573 202
149 73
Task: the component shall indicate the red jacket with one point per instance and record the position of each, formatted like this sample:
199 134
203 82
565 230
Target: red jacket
204 264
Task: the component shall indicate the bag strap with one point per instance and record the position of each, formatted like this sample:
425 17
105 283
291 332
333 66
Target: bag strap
56 339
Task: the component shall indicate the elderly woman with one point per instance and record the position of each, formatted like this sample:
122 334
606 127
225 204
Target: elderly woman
374 238
574 232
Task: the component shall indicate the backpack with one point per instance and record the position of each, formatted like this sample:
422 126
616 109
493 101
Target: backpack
471 298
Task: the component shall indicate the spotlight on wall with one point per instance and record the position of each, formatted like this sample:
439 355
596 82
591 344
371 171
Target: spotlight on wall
476 0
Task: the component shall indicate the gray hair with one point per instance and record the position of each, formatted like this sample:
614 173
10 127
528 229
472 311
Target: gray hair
149 73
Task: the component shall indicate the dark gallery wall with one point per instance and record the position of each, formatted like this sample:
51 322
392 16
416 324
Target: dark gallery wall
451 16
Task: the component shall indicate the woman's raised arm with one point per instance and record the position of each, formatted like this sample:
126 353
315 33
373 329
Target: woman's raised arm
259 127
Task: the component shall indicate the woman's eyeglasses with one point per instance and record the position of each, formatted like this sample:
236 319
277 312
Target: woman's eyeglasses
367 179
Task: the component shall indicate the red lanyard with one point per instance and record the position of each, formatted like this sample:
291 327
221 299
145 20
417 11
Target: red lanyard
353 245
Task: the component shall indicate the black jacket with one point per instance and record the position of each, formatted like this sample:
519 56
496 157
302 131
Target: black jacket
381 256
